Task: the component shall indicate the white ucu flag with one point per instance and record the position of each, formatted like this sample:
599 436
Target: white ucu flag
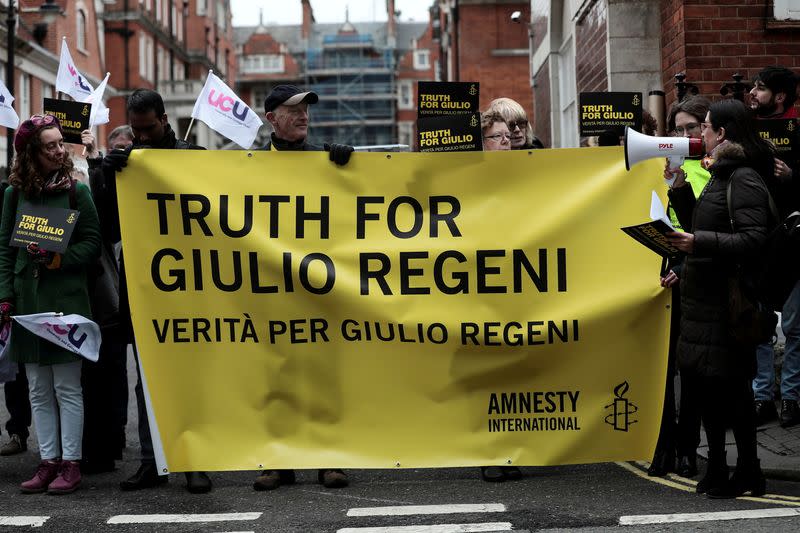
75 333
224 112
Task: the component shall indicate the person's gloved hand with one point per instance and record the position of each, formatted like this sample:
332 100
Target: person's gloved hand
116 160
39 256
339 153
6 310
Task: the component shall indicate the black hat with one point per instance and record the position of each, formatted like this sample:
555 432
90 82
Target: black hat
288 95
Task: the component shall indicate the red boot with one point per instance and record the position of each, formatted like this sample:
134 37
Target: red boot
46 472
69 477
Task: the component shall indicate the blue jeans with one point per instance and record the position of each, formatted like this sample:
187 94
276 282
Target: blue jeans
57 405
765 356
764 382
790 323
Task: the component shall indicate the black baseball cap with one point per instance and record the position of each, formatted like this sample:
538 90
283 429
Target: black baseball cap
288 95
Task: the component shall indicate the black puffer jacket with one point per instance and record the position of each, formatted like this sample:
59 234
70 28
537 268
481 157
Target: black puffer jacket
705 346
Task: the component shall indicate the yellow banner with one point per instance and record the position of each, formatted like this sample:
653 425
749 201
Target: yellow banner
405 310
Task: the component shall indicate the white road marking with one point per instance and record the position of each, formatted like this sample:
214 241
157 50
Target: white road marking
404 510
440 528
180 518
636 520
30 521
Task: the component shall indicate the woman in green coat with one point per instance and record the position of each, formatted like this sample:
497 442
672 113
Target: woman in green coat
35 280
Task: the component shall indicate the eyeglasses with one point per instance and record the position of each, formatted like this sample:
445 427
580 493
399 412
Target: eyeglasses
498 137
43 120
690 127
522 123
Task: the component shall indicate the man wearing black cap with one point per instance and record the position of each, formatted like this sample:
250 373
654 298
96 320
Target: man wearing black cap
287 111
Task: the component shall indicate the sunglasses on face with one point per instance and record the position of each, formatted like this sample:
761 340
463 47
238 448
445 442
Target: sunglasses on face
522 123
43 120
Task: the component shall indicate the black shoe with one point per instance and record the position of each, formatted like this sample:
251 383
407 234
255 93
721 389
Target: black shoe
492 474
144 478
333 478
765 412
716 474
790 413
687 465
512 473
272 479
198 482
663 463
747 477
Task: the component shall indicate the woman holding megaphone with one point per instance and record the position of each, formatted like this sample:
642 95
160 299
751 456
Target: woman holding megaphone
725 228
680 441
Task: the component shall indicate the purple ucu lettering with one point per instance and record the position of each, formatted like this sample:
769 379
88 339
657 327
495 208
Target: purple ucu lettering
226 103
70 333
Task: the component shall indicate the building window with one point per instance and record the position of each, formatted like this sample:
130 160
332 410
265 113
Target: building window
201 7
47 90
405 133
81 28
24 96
221 15
422 59
158 9
786 10
405 97
567 90
142 55
260 64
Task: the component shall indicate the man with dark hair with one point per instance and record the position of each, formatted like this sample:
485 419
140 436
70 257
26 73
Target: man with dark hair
772 97
774 93
151 129
287 111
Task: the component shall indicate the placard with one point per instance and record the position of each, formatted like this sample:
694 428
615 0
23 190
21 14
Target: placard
461 133
599 112
437 98
782 132
49 227
73 116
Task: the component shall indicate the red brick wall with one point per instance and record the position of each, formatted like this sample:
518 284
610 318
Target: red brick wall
483 28
711 41
591 37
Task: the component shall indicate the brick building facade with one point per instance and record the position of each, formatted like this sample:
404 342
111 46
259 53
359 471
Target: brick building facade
640 45
169 46
480 42
364 73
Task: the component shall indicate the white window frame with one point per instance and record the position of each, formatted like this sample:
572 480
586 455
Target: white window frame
202 7
47 90
81 32
568 112
24 96
422 59
405 94
142 55
405 132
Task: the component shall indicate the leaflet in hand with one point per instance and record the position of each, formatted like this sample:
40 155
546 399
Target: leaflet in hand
653 234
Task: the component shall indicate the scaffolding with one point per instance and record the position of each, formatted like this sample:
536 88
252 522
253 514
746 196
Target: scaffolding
355 81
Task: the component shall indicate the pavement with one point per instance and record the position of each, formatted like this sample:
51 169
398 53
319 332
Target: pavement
778 448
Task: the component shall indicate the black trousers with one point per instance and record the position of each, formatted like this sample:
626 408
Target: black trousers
18 404
682 435
727 402
104 385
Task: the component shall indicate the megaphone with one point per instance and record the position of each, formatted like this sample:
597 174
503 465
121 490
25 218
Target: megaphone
639 147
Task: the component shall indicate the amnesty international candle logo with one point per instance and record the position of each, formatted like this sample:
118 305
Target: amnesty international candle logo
621 409
636 100
85 111
71 218
473 121
473 90
790 126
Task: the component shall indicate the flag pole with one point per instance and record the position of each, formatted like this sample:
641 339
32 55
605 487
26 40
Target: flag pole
191 122
185 137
